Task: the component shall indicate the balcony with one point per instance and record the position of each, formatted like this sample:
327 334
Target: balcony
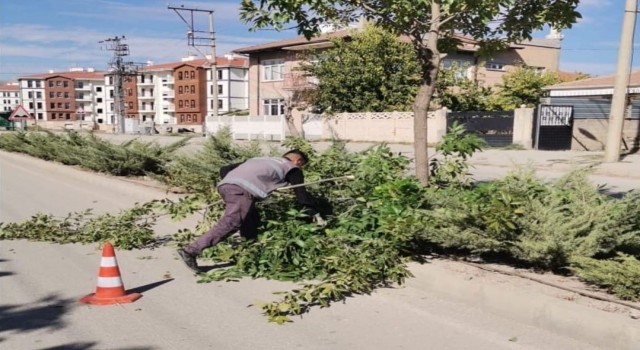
167 81
168 107
83 97
168 95
145 96
83 87
298 81
146 82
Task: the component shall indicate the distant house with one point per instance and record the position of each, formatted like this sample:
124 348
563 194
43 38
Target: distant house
591 102
9 97
272 78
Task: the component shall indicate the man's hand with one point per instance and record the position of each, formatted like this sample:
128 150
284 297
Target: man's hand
319 220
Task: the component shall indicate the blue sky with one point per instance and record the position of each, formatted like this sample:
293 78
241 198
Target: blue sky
36 36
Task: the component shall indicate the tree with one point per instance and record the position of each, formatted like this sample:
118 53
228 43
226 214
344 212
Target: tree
432 26
369 71
457 92
525 86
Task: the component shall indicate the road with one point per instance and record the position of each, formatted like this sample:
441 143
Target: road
40 284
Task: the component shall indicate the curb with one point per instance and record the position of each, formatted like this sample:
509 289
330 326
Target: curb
597 327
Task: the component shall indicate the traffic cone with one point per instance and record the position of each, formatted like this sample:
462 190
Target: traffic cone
110 289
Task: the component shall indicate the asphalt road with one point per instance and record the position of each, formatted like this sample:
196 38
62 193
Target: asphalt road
40 284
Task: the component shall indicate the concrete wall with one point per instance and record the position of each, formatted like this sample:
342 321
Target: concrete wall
591 134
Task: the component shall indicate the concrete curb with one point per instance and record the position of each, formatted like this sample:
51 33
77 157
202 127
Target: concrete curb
600 328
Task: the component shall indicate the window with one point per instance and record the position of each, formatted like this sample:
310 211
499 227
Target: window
188 117
50 83
219 74
59 105
111 106
53 116
179 75
110 93
220 89
99 111
193 103
67 116
180 104
39 94
65 83
40 116
39 104
193 89
80 85
130 92
179 89
130 105
58 83
30 94
98 88
59 94
494 66
220 104
29 83
272 69
273 107
99 99
193 74
37 83
67 106
30 105
52 105
110 80
66 94
52 95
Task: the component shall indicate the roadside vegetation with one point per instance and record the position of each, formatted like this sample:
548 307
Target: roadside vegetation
376 223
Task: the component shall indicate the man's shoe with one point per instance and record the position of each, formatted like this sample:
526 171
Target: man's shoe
189 260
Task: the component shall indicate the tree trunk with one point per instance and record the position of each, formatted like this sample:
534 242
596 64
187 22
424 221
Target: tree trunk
429 57
288 117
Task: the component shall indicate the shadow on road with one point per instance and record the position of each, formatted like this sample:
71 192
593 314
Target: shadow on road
90 346
149 286
45 313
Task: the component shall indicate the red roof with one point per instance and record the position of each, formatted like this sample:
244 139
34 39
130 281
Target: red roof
9 88
240 62
96 75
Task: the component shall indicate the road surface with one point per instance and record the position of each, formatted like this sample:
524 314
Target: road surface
40 284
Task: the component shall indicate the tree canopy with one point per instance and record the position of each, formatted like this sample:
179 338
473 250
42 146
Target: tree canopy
432 26
368 71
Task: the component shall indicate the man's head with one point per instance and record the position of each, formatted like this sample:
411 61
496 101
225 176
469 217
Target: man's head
297 157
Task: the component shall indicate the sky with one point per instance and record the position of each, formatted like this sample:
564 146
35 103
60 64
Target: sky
41 35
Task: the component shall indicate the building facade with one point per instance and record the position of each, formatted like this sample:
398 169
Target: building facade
274 79
9 97
173 94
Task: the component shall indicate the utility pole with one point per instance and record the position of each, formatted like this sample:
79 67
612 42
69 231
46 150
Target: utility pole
195 39
120 69
619 99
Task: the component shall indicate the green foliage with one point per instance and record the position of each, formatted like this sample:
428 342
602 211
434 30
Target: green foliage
524 86
619 275
201 172
371 71
456 147
131 228
132 158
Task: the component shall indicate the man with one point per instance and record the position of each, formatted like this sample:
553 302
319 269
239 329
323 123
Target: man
241 186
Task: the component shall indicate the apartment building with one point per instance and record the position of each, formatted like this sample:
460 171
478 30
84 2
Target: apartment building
182 92
77 94
177 93
273 78
9 97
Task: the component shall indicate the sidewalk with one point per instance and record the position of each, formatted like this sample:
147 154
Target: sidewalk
562 161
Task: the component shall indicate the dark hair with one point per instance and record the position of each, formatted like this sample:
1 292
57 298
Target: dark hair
299 153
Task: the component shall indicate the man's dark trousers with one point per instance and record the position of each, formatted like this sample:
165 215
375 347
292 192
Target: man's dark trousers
240 213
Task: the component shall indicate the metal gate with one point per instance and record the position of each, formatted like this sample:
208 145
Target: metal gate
495 128
554 127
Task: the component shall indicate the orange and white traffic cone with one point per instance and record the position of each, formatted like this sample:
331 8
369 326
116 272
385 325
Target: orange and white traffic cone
110 289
